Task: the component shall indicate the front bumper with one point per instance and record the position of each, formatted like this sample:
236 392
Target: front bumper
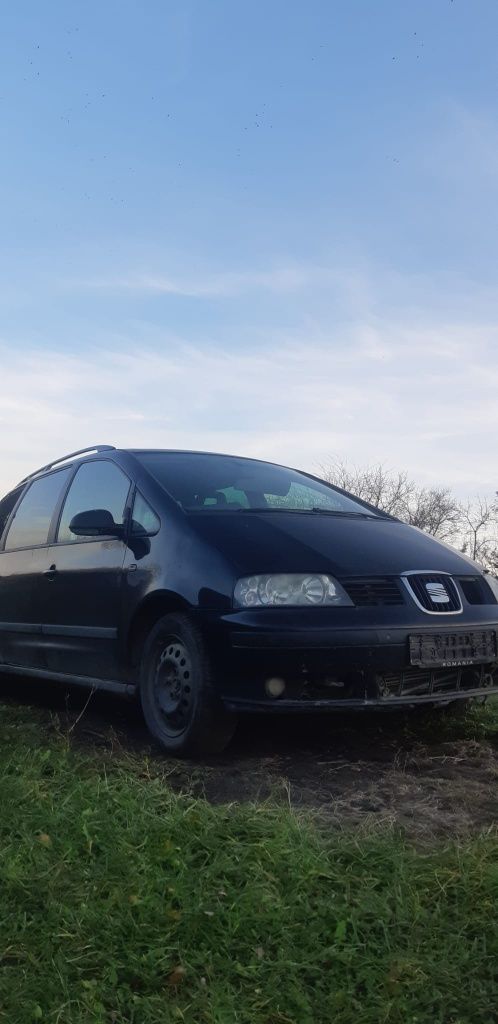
328 666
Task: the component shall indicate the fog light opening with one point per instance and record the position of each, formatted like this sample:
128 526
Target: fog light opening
275 687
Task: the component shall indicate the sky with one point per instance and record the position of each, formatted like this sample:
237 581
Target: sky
267 228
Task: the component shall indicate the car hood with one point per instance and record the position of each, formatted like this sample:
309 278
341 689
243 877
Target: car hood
294 542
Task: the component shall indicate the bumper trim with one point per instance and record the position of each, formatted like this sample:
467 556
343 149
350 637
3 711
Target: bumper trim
279 706
308 639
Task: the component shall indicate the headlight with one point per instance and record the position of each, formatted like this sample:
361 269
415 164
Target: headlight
493 583
289 589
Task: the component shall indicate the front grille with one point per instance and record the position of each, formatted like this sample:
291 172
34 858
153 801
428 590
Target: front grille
423 683
375 590
434 592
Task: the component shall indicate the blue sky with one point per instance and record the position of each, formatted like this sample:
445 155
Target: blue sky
268 228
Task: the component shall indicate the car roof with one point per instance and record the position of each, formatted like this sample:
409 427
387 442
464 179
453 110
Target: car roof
107 448
194 451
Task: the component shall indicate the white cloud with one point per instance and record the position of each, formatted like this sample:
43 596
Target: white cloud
224 283
419 398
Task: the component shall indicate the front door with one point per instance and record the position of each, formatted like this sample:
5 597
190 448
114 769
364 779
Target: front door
23 551
84 576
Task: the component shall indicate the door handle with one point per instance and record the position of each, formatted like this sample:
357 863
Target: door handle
51 573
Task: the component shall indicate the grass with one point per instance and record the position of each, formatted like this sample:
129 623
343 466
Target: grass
122 903
465 721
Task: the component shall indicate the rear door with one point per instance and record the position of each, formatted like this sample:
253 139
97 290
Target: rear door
84 582
25 526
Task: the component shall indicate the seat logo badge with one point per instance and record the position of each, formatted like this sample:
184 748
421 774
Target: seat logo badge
437 593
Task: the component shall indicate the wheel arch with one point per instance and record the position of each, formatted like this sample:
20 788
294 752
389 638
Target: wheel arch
152 608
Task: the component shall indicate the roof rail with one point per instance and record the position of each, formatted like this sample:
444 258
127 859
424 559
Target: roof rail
65 458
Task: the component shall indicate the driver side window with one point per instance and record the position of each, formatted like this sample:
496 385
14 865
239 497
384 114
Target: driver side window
97 485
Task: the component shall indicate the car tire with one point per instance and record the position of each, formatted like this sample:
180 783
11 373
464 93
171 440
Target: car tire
181 709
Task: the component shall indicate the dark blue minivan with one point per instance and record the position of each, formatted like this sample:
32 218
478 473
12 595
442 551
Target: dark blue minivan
211 584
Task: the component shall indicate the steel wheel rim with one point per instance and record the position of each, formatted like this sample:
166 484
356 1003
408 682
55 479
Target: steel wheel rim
173 693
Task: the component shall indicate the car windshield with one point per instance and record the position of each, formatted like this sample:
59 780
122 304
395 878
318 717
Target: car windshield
218 483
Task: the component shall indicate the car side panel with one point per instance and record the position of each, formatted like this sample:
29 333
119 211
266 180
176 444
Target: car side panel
83 604
20 610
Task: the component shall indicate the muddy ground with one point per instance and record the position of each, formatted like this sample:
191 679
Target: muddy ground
423 773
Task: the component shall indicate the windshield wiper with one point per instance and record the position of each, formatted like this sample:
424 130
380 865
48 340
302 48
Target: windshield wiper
315 510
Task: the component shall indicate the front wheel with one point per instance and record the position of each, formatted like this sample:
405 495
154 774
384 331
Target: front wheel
180 707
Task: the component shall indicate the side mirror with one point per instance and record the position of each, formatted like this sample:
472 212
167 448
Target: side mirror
97 522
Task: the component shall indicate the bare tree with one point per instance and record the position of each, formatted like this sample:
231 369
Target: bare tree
434 509
480 532
385 490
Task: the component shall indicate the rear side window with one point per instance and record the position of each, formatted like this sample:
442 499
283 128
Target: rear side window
7 505
97 485
31 524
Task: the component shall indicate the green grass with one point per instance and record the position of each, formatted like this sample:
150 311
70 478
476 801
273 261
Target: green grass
465 721
121 903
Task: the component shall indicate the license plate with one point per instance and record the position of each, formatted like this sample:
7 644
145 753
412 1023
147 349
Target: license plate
453 650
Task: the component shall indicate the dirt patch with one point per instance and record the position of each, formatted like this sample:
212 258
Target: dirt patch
351 769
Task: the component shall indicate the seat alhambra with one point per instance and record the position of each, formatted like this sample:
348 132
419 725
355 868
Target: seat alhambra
209 585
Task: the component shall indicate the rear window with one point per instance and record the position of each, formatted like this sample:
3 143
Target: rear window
213 483
31 524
